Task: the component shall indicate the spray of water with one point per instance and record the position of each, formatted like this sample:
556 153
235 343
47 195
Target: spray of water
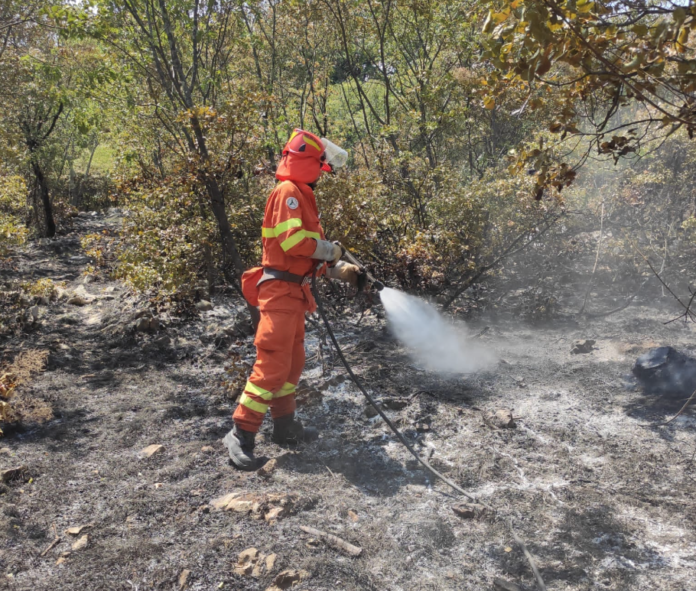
433 343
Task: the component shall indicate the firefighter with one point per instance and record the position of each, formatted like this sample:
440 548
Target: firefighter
294 247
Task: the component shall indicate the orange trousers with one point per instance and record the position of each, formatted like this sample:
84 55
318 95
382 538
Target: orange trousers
280 358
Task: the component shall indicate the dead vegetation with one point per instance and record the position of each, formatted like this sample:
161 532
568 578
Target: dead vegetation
128 485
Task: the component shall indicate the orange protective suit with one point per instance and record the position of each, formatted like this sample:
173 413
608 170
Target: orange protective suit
290 230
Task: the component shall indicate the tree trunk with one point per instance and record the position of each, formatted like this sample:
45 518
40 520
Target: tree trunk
217 206
42 185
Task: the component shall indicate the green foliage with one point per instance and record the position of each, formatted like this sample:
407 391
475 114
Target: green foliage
611 73
13 231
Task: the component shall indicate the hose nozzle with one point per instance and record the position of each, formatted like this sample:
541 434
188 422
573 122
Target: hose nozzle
378 285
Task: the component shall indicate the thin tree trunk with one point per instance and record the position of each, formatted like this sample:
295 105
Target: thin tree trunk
42 186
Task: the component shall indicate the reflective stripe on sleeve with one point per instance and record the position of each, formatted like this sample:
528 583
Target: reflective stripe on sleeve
296 238
251 404
281 227
260 392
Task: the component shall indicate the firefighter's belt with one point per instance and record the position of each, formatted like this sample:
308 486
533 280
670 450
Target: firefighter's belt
269 274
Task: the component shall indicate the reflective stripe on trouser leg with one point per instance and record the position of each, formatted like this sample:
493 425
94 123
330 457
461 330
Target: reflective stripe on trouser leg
283 402
275 342
286 390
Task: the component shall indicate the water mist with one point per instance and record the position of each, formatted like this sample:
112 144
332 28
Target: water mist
433 343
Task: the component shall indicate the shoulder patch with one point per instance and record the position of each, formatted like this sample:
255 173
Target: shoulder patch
292 203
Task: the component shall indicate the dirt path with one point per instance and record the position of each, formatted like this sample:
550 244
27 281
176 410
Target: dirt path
602 495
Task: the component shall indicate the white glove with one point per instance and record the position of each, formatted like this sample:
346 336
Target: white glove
327 251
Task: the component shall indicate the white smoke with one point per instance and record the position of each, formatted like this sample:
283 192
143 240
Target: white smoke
433 343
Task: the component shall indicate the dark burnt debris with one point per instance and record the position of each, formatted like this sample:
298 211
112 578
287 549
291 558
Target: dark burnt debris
666 372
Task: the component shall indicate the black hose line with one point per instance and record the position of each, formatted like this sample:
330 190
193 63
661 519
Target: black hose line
407 445
392 426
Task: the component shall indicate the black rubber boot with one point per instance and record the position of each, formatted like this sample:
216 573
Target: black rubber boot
240 445
288 429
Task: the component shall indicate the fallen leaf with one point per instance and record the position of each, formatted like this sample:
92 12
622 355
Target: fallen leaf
81 543
222 502
13 473
268 468
508 549
77 530
353 516
151 450
60 561
183 578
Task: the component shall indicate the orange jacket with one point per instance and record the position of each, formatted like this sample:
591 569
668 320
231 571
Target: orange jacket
290 230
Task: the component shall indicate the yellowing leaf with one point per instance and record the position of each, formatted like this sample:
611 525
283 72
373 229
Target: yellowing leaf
489 103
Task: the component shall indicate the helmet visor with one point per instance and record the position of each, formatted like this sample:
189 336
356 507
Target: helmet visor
336 157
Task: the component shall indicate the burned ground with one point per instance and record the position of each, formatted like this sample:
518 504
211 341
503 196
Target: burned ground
600 491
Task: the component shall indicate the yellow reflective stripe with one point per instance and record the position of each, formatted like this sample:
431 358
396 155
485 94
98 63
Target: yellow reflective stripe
296 238
294 133
311 142
251 404
314 235
286 225
260 392
286 390
281 227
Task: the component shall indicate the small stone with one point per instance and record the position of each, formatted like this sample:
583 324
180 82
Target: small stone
502 419
204 306
268 468
158 485
60 561
503 585
394 403
142 324
5 451
583 346
270 562
164 341
33 313
81 543
145 313
77 301
154 324
208 449
13 474
151 450
468 510
183 578
370 411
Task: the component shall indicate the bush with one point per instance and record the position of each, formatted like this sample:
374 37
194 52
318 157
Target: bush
13 195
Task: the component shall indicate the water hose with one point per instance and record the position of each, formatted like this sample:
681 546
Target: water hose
379 285
371 400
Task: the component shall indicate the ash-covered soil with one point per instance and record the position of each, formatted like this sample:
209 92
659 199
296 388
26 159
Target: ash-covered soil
601 493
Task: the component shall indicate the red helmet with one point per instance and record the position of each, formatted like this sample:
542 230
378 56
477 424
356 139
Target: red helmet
303 158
